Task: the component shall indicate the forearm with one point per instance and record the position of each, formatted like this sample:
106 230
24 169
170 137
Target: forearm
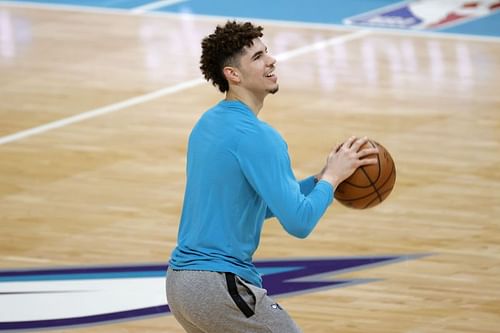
302 217
306 187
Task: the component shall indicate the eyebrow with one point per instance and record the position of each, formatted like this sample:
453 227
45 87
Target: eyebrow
258 53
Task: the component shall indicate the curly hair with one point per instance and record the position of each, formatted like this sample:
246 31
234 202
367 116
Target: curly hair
221 48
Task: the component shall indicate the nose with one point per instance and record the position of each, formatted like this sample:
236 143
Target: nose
271 60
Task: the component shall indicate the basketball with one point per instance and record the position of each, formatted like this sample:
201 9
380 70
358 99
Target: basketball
369 185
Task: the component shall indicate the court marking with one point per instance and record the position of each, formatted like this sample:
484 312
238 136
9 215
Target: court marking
167 91
101 111
283 23
137 291
27 259
155 5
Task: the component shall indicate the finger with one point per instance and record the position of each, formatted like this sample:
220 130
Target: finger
336 149
359 143
368 161
367 151
348 143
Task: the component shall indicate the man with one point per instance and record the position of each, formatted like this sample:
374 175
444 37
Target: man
238 174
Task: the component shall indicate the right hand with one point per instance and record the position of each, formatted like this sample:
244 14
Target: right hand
345 159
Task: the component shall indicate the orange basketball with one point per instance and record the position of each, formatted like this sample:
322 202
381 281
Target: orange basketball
368 185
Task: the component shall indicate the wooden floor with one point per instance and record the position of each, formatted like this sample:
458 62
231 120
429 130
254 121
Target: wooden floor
108 189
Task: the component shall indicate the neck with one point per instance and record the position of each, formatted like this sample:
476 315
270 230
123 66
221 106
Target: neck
255 103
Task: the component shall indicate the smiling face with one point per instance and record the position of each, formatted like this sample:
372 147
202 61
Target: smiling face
255 70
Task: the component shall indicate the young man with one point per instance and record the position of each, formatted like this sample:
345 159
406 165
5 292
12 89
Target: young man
238 174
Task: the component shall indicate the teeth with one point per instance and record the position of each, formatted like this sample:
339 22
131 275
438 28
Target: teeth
271 73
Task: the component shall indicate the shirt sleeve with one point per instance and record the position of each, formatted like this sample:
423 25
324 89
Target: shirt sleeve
306 186
266 165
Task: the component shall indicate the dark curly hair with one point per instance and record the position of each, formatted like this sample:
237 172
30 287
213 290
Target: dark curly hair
220 48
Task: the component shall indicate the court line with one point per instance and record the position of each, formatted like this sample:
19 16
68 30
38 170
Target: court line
27 259
322 44
100 111
168 91
284 23
155 5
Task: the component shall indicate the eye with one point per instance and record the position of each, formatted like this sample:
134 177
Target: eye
258 55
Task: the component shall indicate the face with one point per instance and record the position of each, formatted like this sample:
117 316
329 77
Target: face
256 68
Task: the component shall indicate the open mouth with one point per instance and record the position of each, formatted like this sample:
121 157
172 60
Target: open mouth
271 75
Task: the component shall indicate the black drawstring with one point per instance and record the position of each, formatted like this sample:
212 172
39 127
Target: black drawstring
233 291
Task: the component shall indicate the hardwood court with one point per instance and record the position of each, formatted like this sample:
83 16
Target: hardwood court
108 190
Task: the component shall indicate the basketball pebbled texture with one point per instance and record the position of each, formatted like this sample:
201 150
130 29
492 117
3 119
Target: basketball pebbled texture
369 185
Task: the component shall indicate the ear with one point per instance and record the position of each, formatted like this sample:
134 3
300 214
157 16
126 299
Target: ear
232 75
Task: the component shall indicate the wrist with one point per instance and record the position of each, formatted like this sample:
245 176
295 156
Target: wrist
334 181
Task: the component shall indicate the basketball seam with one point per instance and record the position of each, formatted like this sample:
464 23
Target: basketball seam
367 195
379 195
378 174
371 202
362 168
393 171
372 184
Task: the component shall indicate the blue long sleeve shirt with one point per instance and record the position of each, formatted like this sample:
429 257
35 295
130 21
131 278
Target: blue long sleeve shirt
238 174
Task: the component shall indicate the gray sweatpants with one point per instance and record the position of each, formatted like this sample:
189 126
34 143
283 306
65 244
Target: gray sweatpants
212 302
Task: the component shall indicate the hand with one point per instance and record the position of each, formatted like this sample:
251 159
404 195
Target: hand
346 158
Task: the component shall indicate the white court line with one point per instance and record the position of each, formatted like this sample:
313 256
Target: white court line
168 91
100 111
155 5
26 259
221 19
321 45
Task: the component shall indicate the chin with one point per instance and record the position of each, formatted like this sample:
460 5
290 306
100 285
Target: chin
274 90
